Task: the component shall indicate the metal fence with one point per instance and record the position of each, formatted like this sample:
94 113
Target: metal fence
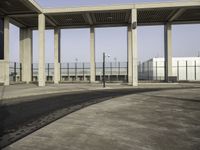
75 71
15 72
115 71
183 70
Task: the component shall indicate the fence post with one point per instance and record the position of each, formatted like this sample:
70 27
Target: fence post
83 72
127 71
60 71
20 71
156 70
186 70
110 68
15 72
48 72
148 70
32 72
119 71
178 70
195 70
143 71
116 71
75 71
68 70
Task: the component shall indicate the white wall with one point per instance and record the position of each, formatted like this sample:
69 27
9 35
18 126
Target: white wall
185 71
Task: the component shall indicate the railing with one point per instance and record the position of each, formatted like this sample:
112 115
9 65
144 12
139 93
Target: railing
183 70
115 71
15 72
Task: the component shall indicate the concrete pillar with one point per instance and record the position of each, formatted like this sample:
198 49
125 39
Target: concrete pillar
92 55
56 55
168 50
41 67
6 51
134 47
26 54
130 56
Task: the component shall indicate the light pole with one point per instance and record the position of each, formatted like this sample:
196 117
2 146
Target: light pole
104 59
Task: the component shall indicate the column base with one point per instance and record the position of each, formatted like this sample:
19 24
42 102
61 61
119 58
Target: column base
41 84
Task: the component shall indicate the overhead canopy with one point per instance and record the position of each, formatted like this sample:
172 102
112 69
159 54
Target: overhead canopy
25 13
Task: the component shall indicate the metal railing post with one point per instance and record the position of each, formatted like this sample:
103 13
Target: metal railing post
110 68
127 71
148 71
60 71
31 71
178 70
83 71
195 70
156 70
68 70
186 70
104 81
118 68
15 72
20 71
48 72
75 71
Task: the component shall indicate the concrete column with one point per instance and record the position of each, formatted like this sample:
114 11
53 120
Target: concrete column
92 55
130 56
26 54
168 51
41 67
6 51
56 55
134 47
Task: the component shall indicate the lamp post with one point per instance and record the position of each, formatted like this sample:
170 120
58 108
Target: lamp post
104 59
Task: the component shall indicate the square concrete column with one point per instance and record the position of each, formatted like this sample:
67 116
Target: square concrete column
56 55
6 50
130 55
26 54
41 67
134 47
92 55
168 51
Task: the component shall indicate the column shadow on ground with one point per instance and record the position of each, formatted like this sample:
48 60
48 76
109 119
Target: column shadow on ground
18 120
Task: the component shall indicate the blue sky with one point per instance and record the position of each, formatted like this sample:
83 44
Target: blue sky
75 43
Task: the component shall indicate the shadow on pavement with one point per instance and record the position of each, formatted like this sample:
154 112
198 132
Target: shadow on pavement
20 119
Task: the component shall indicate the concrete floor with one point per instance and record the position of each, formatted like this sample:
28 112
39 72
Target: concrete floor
23 90
154 120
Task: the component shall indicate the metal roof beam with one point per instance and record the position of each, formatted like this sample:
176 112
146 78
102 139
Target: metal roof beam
32 5
17 23
177 14
51 21
88 18
23 15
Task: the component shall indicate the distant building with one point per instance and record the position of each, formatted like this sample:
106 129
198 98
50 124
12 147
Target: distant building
184 68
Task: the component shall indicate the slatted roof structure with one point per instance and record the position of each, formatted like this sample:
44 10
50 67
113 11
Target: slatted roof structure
24 13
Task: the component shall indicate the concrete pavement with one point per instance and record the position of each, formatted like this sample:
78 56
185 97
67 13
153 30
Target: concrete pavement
24 90
156 120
